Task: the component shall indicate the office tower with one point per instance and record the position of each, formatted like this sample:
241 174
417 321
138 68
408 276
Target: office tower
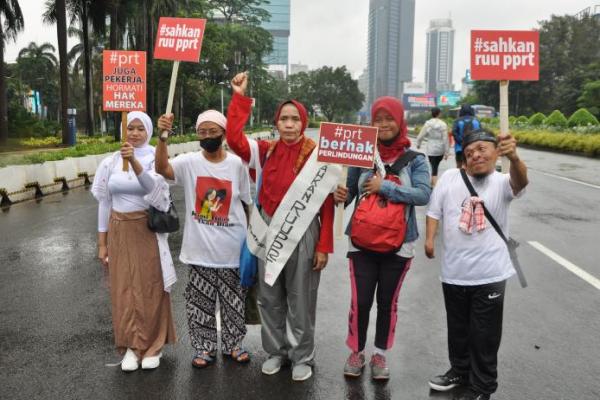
279 28
390 53
439 56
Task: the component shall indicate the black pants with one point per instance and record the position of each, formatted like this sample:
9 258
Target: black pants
435 163
370 271
474 331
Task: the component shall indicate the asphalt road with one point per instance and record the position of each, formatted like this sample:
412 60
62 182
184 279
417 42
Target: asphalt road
56 337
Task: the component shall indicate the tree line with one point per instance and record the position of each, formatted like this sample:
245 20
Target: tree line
233 41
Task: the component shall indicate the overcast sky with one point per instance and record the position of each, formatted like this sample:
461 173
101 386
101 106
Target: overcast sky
334 32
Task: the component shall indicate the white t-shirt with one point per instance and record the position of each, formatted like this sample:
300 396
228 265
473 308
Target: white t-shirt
215 222
480 257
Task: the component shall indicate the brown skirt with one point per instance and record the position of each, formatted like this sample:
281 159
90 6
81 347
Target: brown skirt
141 309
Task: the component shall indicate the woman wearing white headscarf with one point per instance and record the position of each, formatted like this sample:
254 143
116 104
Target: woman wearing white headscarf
138 260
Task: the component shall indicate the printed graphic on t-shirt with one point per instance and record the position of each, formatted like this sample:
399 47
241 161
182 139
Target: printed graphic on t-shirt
213 199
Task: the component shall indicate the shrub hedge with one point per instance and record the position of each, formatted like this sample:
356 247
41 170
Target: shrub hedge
537 119
556 118
582 117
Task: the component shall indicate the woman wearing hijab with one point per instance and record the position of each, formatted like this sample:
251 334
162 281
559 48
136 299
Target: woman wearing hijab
138 260
382 273
288 304
217 187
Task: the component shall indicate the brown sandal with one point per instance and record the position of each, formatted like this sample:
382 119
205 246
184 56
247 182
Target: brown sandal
203 359
239 354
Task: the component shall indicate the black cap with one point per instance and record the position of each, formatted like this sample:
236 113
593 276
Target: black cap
478 135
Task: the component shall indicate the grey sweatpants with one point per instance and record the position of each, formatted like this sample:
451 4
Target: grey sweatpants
288 308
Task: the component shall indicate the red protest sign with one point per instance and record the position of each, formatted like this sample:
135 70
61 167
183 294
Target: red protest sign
351 145
179 39
505 55
123 80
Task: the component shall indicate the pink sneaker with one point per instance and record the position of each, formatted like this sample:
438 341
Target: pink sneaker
354 365
379 369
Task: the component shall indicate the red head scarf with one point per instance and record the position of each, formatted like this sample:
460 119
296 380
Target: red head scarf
301 111
401 142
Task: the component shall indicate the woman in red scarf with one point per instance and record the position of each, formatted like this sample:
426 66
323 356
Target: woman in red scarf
371 271
293 297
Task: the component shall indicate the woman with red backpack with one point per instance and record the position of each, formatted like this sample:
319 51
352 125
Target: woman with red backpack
382 233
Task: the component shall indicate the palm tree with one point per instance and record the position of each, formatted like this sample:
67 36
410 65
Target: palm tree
84 13
10 12
43 54
37 67
61 32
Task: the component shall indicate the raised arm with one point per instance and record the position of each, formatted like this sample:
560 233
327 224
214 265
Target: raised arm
238 113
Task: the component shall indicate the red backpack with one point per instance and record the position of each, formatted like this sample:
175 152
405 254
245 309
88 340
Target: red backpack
379 225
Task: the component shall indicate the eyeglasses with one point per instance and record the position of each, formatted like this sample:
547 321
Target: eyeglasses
209 132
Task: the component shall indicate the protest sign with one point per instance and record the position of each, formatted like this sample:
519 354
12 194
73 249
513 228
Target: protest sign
505 55
179 39
124 80
349 145
124 85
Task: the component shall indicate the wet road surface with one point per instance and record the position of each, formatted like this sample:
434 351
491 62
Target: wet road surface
56 334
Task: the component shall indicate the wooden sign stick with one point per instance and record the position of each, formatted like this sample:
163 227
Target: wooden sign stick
124 136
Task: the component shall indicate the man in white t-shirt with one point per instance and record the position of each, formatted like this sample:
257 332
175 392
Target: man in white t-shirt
217 188
476 261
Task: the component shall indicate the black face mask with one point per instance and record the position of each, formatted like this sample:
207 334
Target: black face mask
211 144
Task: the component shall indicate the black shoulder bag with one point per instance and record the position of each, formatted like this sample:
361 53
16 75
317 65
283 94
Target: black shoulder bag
163 221
511 243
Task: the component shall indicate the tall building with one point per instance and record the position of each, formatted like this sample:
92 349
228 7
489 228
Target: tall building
363 86
297 68
279 27
439 56
390 54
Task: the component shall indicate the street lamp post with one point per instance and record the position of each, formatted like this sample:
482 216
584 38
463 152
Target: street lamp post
222 84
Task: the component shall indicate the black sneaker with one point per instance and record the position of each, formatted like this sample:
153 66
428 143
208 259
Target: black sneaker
449 380
472 394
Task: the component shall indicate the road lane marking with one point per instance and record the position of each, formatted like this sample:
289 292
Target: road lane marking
586 276
566 179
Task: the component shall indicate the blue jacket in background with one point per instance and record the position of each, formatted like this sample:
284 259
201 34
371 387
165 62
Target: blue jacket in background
458 129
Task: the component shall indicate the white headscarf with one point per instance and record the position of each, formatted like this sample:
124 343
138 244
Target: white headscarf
212 116
144 150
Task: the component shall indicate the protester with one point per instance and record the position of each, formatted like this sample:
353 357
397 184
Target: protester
139 261
382 272
476 262
465 122
436 132
287 297
217 190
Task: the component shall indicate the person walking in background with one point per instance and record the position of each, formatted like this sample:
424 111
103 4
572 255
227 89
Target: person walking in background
382 273
217 192
476 261
139 261
466 121
288 303
435 131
